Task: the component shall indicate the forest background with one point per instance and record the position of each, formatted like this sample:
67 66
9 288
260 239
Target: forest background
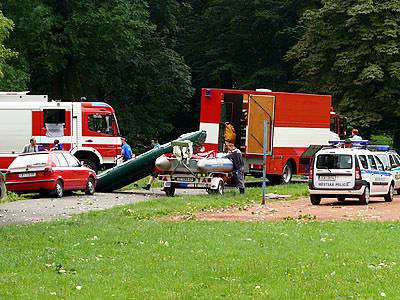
149 59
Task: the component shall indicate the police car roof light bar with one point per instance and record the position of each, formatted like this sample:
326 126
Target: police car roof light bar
338 143
379 147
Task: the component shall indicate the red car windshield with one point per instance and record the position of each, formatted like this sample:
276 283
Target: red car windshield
30 160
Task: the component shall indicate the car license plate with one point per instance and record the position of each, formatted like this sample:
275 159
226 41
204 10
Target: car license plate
24 175
326 178
184 179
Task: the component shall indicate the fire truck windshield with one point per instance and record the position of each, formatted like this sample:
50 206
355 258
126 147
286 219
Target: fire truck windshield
102 123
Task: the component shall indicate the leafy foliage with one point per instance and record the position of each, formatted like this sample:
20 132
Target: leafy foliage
10 78
350 49
104 50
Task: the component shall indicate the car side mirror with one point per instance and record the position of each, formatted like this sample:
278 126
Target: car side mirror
387 168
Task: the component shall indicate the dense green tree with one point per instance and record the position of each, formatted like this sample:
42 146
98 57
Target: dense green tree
11 78
104 50
239 44
350 49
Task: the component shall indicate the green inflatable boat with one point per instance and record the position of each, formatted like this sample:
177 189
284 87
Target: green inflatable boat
142 166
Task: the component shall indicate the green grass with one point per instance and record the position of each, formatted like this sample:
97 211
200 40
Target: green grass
11 197
129 253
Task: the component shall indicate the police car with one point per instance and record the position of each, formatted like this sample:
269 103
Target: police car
349 173
391 162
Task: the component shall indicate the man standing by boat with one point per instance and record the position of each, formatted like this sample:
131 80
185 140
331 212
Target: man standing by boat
235 155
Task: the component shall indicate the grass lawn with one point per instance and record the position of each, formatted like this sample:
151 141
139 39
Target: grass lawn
128 253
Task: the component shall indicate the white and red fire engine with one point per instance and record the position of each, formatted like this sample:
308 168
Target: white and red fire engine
295 121
88 129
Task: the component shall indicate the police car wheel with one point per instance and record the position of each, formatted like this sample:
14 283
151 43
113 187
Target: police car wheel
364 199
389 195
315 199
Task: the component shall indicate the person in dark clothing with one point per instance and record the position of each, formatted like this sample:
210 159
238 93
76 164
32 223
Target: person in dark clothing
235 155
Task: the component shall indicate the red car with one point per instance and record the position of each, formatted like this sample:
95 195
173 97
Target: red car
49 172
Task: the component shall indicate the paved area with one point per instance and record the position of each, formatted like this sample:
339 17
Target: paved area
38 209
302 209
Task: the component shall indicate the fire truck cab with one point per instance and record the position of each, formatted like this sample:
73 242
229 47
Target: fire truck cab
295 121
89 130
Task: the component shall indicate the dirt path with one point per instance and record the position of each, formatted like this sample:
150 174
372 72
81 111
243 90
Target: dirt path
329 209
42 209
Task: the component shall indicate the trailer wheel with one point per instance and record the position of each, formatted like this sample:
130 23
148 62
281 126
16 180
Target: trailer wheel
169 191
219 190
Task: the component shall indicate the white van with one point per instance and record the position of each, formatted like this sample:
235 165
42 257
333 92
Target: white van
391 162
349 173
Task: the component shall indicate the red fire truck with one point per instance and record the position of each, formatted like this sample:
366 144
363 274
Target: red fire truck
88 129
295 121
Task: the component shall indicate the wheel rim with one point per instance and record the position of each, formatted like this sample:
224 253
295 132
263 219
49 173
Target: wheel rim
287 173
90 186
220 189
366 195
59 189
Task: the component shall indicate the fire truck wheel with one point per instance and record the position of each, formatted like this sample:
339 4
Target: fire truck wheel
315 199
285 178
287 173
90 164
90 186
169 191
59 190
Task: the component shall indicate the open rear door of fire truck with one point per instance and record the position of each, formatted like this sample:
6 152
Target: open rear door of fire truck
261 107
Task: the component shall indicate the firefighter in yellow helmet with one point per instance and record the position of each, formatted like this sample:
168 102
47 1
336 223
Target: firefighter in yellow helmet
230 134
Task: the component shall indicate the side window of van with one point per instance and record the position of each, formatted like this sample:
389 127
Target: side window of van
372 162
397 160
379 163
392 161
363 161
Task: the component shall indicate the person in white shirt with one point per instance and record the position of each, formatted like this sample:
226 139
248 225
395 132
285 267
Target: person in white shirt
31 147
355 136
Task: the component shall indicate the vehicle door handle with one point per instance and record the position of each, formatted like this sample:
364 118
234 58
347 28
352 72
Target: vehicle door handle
89 141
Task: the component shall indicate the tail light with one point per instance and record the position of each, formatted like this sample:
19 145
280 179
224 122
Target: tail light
358 173
311 169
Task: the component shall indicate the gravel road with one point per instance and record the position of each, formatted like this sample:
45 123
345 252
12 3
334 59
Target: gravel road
38 209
